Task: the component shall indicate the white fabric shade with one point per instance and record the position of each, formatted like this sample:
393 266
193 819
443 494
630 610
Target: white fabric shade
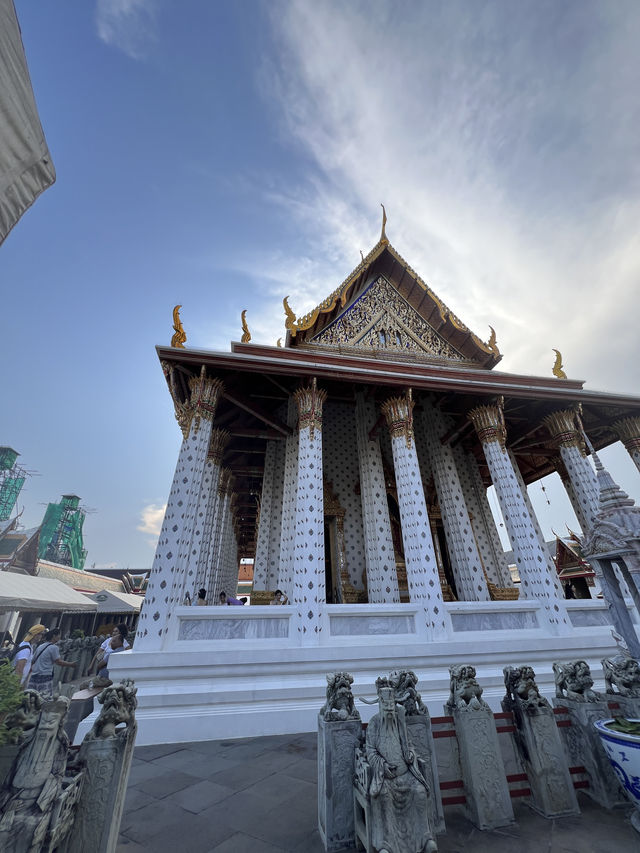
26 593
117 602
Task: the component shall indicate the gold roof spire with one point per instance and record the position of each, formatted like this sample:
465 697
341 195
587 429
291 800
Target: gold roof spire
383 234
558 372
246 334
178 340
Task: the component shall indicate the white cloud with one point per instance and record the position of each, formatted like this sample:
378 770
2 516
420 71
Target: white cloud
503 144
151 519
129 25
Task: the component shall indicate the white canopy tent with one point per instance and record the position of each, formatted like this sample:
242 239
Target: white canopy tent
41 595
109 601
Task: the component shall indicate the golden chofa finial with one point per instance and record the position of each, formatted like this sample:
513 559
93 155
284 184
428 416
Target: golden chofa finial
383 233
558 372
361 256
290 321
246 334
178 340
493 346
279 342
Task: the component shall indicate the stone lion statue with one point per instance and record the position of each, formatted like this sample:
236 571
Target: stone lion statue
339 705
573 681
624 673
119 703
466 693
404 683
521 688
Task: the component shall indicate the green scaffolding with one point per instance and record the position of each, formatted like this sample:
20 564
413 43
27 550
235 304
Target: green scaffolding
61 533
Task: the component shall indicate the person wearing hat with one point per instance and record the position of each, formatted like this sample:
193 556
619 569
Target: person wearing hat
24 652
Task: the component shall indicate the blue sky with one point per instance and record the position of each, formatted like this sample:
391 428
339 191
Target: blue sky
224 155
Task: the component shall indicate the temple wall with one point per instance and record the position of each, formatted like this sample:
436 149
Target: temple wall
341 469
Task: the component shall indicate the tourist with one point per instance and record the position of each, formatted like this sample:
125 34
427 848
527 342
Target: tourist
47 656
120 631
117 644
234 602
569 590
24 652
201 600
222 598
279 598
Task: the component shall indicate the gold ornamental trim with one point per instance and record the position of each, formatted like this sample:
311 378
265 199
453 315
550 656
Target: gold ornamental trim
179 338
557 370
217 445
489 423
309 401
246 334
564 430
205 393
398 412
628 431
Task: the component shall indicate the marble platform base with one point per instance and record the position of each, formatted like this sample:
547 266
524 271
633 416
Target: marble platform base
243 685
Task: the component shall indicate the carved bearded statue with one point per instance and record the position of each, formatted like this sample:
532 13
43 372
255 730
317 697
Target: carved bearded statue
623 673
30 791
466 693
339 705
398 790
573 681
119 703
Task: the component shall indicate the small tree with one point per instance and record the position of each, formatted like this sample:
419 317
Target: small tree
10 698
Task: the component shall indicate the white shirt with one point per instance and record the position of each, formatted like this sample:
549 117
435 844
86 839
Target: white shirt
106 646
25 654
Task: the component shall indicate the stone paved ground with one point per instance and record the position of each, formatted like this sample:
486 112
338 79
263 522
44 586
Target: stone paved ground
259 795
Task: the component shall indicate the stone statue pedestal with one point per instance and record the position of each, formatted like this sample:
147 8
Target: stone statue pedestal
629 706
538 742
585 749
421 741
337 742
485 782
106 765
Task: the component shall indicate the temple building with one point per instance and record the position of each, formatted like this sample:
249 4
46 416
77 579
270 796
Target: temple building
351 465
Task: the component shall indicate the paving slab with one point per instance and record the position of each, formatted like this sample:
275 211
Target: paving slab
260 795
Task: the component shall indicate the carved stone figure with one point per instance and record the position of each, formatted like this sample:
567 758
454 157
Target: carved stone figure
35 783
521 688
404 683
398 790
339 704
573 681
466 693
119 703
622 673
26 716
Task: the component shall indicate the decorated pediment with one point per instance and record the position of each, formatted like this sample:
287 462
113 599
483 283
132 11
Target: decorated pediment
380 319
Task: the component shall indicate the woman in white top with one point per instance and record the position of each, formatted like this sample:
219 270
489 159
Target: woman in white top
24 653
120 632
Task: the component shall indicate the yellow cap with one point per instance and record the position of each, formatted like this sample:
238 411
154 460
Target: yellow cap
33 631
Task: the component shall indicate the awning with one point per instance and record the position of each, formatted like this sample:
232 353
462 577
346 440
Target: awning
26 593
117 602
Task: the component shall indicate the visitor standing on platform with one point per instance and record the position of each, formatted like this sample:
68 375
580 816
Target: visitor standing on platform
47 656
24 653
279 598
201 600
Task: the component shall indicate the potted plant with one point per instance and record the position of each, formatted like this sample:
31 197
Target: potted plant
621 741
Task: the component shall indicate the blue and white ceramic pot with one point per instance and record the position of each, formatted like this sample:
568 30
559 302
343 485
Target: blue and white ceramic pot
624 754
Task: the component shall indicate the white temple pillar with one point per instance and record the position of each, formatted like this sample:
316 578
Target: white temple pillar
208 499
309 593
482 520
181 537
562 472
216 577
562 426
463 550
422 570
287 527
382 577
628 431
261 562
530 555
275 528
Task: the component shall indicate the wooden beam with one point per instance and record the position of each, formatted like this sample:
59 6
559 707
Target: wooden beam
257 411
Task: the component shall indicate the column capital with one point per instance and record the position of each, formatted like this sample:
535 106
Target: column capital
489 423
628 431
309 400
564 429
205 393
217 444
398 412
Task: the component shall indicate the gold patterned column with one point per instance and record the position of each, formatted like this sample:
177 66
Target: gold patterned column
309 593
566 434
181 538
628 431
530 554
420 558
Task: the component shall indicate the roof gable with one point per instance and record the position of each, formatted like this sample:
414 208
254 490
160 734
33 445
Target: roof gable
454 340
